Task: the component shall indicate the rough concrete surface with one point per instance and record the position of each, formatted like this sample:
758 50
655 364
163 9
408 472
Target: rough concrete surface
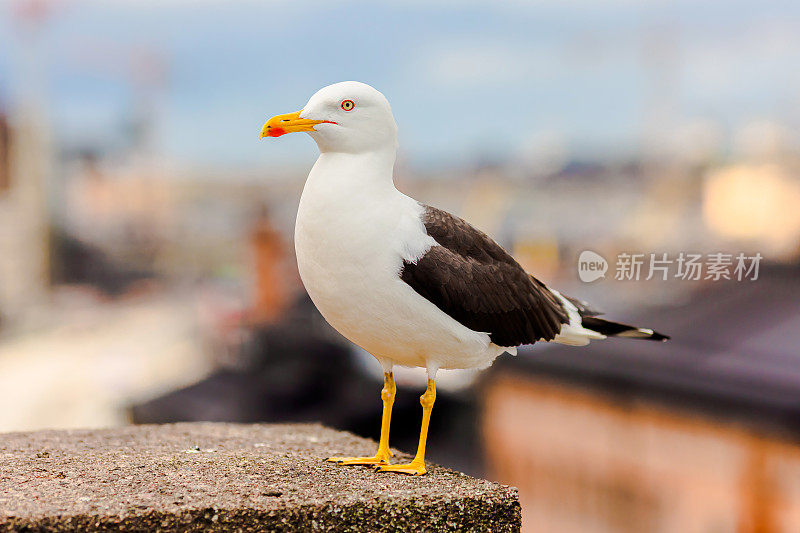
230 477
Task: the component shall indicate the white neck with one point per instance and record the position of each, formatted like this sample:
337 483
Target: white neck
353 175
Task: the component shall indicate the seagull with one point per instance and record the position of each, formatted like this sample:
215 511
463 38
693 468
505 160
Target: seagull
409 283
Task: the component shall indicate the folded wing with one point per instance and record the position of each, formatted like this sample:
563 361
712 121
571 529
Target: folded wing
476 282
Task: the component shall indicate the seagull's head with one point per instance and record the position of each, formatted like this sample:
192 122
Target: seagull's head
349 117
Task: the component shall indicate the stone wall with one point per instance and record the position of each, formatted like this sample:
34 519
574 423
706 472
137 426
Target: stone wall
229 477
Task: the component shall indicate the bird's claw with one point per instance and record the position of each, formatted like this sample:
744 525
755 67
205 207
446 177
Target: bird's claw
412 468
377 460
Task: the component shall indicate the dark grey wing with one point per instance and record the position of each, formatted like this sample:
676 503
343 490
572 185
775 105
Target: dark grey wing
475 281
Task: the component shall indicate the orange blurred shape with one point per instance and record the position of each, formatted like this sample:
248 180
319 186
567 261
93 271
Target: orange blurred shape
271 283
756 203
539 256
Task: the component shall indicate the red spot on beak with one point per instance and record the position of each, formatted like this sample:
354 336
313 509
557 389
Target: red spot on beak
276 132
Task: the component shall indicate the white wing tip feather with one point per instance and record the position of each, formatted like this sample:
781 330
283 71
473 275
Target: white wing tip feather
573 333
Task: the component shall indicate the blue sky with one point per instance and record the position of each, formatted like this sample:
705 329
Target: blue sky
465 79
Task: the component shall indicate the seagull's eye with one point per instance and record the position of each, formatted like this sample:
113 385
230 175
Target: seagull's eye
348 105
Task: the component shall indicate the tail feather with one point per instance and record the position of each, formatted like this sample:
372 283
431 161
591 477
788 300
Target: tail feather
615 329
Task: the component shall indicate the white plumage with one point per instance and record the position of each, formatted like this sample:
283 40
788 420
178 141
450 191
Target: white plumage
354 229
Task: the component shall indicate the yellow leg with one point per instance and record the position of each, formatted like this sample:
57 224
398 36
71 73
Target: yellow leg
382 457
417 465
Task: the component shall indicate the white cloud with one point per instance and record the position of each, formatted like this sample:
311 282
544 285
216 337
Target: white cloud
455 63
759 54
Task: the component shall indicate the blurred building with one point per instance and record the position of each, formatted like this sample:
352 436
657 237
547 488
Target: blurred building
699 434
24 160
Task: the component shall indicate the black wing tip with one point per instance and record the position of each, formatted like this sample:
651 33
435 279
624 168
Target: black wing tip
641 333
615 329
656 336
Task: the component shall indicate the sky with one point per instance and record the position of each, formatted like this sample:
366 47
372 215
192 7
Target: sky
466 80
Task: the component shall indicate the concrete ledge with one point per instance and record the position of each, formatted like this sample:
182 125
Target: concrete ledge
229 477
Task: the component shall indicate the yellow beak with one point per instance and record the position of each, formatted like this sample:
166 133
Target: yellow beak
289 123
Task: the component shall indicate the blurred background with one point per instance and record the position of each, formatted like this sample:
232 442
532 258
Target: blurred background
146 258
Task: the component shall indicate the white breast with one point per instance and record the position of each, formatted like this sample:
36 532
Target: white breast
351 237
